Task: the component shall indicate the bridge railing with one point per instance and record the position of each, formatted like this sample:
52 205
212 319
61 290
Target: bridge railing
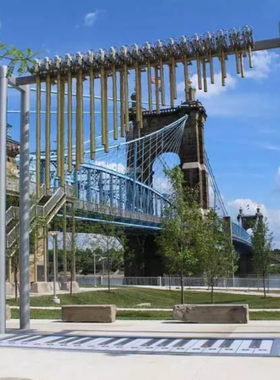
175 282
116 212
240 233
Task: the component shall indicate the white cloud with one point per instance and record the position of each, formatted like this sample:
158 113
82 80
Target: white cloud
278 176
272 215
264 62
269 146
162 184
213 89
90 18
117 167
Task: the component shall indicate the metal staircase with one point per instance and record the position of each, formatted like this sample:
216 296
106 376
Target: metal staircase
44 210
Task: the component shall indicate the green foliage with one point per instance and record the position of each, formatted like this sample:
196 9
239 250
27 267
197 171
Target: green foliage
215 251
17 59
158 298
262 240
180 227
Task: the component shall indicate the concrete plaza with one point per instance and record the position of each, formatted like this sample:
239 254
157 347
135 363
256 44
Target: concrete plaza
43 364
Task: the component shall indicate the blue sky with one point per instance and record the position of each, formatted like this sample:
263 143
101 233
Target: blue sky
242 130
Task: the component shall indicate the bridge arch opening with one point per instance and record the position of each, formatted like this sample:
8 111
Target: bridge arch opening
168 160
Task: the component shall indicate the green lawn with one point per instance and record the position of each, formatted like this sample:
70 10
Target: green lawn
130 297
139 315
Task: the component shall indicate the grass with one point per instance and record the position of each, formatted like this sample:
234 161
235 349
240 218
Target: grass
141 315
130 297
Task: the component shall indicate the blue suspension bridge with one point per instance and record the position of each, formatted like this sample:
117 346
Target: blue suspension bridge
129 181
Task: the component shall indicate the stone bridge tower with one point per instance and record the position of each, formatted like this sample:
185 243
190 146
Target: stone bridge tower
146 260
191 151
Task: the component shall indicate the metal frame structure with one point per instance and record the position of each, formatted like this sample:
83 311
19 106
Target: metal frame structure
24 199
94 66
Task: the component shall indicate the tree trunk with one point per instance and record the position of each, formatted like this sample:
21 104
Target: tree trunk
182 287
109 279
71 276
212 292
16 283
264 287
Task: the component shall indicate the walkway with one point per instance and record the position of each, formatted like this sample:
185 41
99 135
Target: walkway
45 364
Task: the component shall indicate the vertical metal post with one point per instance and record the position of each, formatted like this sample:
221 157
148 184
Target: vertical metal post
94 267
64 245
24 222
54 266
134 176
3 126
46 253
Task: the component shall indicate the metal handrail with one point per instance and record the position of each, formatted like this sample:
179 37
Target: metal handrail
240 232
43 211
14 233
11 213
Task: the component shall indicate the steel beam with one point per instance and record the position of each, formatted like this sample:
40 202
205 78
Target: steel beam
3 150
272 43
24 220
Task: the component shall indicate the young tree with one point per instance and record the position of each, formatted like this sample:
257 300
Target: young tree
180 227
262 240
111 239
215 251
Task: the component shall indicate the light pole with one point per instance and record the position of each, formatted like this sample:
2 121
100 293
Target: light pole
94 267
54 235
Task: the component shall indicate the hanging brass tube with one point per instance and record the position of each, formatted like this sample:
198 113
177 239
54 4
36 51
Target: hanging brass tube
102 84
212 81
242 65
122 103
48 131
162 93
136 68
92 116
171 86
199 82
126 94
173 65
204 75
150 96
38 137
78 123
157 89
62 134
140 97
186 77
69 118
106 146
58 122
250 56
237 62
222 61
81 109
115 106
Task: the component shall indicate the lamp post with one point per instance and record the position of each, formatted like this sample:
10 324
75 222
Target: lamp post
54 235
94 267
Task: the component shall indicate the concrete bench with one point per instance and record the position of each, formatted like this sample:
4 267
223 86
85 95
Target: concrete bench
218 313
89 313
8 312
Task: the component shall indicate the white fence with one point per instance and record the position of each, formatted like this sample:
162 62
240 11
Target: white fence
189 282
